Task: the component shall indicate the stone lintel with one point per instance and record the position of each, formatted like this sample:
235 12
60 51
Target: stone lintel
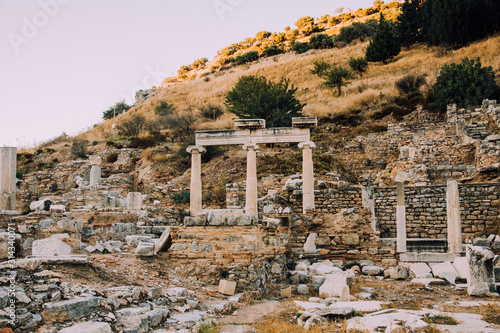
250 123
304 122
241 137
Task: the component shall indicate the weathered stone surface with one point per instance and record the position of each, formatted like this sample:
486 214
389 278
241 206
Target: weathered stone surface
335 285
310 245
164 242
134 201
322 269
461 265
88 327
71 309
50 247
217 219
145 249
303 289
445 271
426 282
481 276
350 239
372 270
41 205
420 270
133 240
241 220
198 220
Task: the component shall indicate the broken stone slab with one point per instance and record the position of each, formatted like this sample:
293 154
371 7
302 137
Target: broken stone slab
302 265
134 201
321 269
293 185
189 317
372 270
133 240
388 321
94 327
50 247
41 205
397 273
57 208
164 242
217 219
420 270
145 249
69 259
310 245
359 306
241 220
481 241
445 271
426 282
335 285
71 309
310 305
271 223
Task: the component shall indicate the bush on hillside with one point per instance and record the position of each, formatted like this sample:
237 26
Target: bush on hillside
300 48
184 69
79 149
271 51
118 108
356 31
410 83
358 65
310 29
320 41
163 108
291 34
211 111
335 77
246 57
132 126
199 63
464 84
304 21
261 35
257 98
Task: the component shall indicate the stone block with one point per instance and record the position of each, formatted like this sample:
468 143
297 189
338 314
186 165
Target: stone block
335 285
41 205
50 247
303 289
145 249
71 309
350 239
193 221
445 271
461 265
217 220
134 201
372 270
310 246
241 220
57 208
286 291
420 270
88 327
164 242
227 287
322 269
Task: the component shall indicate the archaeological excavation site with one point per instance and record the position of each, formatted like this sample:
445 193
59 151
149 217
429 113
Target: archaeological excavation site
396 231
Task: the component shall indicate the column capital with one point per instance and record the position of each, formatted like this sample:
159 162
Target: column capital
307 145
95 160
250 146
195 149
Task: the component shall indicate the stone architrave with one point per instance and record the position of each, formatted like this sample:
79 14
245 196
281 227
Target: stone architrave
134 201
400 217
251 206
453 214
195 192
8 178
307 176
95 171
481 275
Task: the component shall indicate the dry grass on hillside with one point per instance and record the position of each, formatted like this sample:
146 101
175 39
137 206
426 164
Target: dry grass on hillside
376 85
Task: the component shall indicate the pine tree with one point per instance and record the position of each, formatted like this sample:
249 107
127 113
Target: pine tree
385 44
410 22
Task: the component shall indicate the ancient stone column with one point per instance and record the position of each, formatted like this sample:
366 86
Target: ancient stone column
453 214
251 206
481 278
195 202
95 171
307 176
400 217
8 178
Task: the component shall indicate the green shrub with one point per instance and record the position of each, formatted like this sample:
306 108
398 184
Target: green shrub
320 41
336 77
118 108
142 143
247 57
79 149
133 126
181 197
291 34
356 31
410 83
199 63
271 51
211 111
320 67
385 44
358 65
164 108
256 97
464 84
300 48
310 29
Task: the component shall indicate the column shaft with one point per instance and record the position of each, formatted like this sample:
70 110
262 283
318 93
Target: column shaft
307 176
251 206
400 217
8 165
195 193
453 215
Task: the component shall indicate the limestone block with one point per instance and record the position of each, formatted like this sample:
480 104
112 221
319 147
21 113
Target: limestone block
481 275
426 282
164 241
286 291
71 309
227 287
302 265
198 220
321 269
303 289
133 240
271 223
445 271
461 265
217 219
134 201
335 285
94 327
57 208
241 220
310 246
420 270
293 185
50 247
40 205
372 270
350 239
145 249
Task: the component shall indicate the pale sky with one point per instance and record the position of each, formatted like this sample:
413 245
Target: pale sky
64 62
